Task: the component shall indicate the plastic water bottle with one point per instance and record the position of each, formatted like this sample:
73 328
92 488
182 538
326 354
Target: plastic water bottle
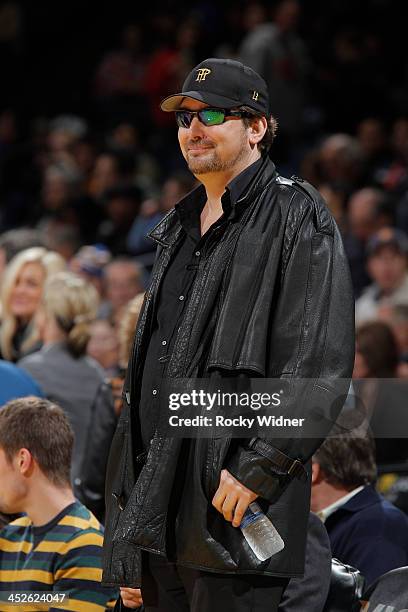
260 534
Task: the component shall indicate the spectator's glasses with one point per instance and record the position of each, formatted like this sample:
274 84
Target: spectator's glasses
208 116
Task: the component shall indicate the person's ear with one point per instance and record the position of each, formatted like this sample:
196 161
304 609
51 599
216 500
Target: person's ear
24 461
317 475
257 130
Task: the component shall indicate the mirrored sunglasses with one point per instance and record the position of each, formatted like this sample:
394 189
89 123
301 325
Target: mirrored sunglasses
208 116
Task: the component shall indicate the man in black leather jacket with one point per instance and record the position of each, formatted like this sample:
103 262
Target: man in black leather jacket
250 280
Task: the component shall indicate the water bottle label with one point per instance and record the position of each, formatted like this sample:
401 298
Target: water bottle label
249 518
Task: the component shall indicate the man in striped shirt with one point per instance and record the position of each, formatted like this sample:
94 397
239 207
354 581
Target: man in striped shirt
50 558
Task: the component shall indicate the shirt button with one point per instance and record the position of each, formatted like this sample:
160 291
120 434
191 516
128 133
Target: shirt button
164 342
181 298
197 253
154 392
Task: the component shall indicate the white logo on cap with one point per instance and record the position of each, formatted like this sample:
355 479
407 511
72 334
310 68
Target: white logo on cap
202 74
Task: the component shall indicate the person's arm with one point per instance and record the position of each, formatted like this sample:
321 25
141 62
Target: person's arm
311 337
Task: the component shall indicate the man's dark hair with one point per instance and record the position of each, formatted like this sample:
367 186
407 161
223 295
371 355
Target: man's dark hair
272 125
348 460
42 428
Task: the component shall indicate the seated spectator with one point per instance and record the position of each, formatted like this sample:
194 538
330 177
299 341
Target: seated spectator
89 262
387 254
383 397
61 184
63 132
121 206
123 281
340 162
127 137
376 351
138 243
22 289
128 327
401 211
16 240
63 238
178 185
62 368
106 175
15 382
151 212
57 544
395 179
334 199
365 216
103 346
372 137
397 319
277 52
365 530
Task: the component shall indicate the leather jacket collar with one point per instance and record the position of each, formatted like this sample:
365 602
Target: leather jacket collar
234 199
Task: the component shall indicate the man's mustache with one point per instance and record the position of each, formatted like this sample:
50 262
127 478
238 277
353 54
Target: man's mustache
200 142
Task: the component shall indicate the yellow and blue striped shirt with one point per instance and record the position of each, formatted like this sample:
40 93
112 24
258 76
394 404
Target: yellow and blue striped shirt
65 555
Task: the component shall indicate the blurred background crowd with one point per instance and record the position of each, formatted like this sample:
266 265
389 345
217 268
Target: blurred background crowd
89 165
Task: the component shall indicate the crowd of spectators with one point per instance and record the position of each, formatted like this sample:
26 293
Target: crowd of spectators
89 165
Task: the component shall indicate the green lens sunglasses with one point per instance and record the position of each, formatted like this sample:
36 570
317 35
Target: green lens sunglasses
207 116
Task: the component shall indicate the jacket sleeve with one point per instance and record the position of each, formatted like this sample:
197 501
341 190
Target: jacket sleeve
310 345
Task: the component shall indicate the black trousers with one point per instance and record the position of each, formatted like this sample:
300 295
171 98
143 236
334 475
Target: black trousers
167 587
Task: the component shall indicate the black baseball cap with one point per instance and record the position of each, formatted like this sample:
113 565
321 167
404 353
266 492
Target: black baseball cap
223 83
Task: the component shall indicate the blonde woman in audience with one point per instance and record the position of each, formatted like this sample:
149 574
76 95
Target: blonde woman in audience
21 294
62 368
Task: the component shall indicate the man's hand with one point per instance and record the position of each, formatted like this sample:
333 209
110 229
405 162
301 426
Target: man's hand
232 498
132 598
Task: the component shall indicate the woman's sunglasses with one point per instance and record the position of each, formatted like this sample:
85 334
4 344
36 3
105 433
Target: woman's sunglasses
207 116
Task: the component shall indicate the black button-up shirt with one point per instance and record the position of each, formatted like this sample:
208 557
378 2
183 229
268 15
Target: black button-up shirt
176 288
